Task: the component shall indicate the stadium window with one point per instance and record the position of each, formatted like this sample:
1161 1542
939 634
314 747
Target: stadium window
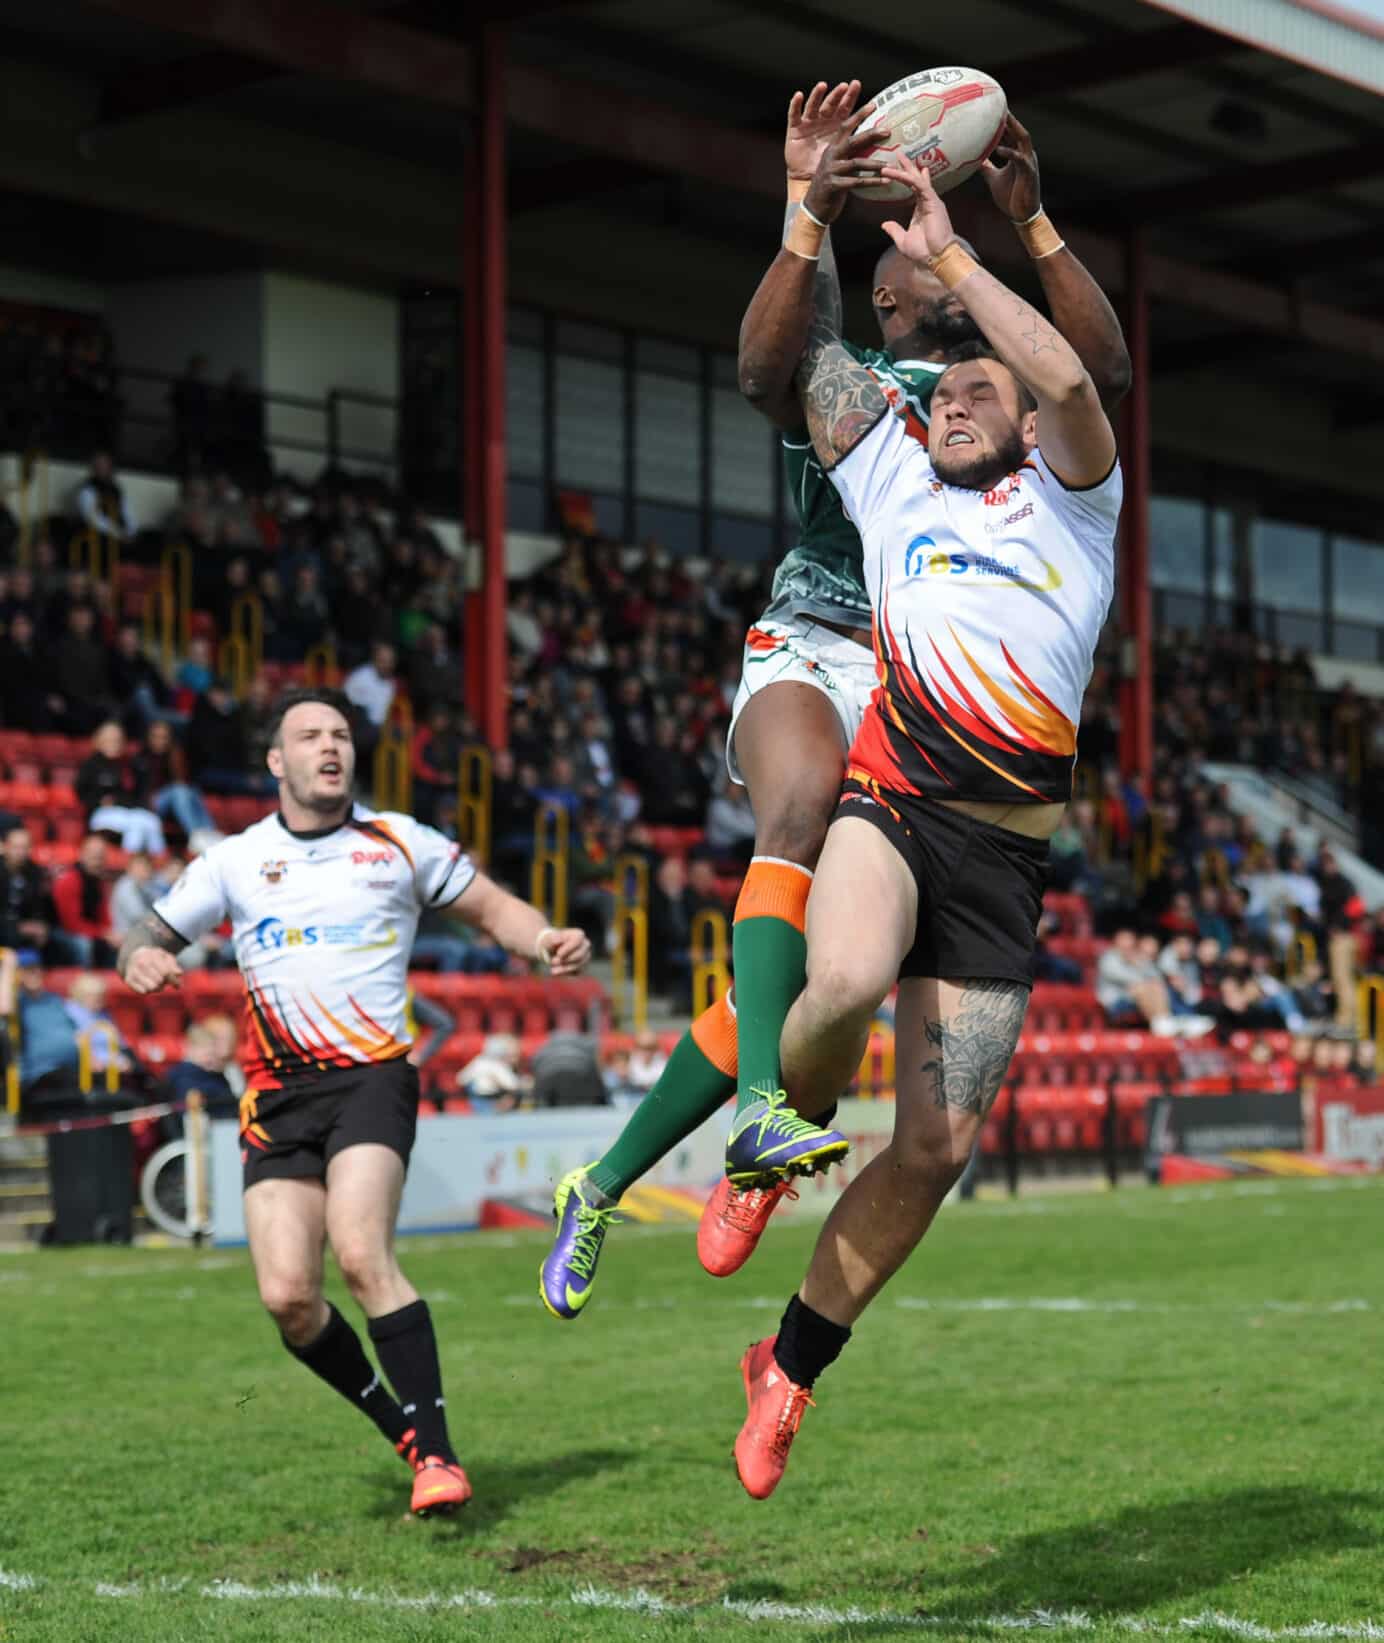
524 411
1358 593
1222 556
1177 544
667 459
677 529
524 505
734 537
524 325
743 451
590 448
1287 565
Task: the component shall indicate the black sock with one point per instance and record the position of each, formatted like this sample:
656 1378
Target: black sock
407 1351
824 1120
339 1358
807 1343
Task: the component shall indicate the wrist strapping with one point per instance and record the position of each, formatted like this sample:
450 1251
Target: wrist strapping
540 942
797 189
952 264
1040 238
805 235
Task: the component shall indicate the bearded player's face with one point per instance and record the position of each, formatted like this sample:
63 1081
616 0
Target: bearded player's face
977 430
314 757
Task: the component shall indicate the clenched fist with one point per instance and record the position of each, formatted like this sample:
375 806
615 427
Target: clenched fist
150 969
565 952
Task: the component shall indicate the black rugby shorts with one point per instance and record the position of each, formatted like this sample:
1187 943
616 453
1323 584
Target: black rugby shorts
295 1132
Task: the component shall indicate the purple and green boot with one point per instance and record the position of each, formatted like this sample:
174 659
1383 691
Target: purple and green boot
584 1216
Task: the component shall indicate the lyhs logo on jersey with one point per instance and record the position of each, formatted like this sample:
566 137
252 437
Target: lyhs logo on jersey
1003 494
272 871
273 932
371 858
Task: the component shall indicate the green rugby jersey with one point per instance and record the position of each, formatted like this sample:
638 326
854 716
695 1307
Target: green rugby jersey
822 575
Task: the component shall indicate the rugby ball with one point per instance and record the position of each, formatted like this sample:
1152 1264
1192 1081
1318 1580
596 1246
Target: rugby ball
945 118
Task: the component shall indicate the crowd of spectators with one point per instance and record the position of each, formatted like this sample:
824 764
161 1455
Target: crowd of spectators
622 668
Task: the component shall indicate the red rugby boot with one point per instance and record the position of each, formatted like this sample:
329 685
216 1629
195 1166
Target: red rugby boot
776 1412
439 1487
732 1221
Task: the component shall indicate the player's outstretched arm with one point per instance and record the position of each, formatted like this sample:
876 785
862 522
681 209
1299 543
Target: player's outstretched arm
1074 433
801 277
1080 310
147 960
520 928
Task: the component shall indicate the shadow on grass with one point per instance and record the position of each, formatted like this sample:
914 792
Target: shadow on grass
1144 1556
501 1486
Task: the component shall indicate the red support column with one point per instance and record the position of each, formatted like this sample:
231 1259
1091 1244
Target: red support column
470 411
1136 596
493 305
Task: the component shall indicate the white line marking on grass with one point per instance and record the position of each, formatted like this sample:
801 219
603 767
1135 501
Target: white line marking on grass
314 1588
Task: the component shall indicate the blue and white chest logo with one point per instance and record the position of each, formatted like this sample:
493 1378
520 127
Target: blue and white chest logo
922 557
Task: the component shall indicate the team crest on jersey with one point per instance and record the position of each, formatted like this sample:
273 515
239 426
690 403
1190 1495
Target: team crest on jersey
272 871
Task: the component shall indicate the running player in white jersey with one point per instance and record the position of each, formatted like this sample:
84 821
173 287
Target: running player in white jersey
324 899
989 560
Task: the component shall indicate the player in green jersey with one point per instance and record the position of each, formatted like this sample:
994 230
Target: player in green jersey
808 674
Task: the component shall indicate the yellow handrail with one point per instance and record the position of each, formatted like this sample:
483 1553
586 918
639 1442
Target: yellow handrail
629 968
319 665
98 553
161 623
710 971
473 801
548 881
175 573
876 1075
1369 1001
247 623
13 1030
1302 951
393 770
237 663
112 1038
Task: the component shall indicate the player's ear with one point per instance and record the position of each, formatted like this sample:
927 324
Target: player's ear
1028 429
883 298
275 760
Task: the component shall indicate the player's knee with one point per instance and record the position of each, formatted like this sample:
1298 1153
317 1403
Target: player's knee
793 826
365 1269
930 1166
843 991
291 1301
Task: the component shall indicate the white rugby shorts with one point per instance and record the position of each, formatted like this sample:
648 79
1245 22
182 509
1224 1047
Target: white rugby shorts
801 650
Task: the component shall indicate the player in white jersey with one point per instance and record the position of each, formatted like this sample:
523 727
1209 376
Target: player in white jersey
324 899
989 559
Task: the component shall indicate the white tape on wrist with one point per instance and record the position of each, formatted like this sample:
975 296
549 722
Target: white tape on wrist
540 951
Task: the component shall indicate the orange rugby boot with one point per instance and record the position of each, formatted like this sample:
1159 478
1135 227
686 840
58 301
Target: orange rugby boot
776 1412
407 1449
439 1487
732 1221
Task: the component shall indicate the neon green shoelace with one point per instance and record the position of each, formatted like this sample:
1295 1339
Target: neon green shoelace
778 1113
592 1225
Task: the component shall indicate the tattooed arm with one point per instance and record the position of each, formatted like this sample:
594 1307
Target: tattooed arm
1074 433
774 329
840 398
147 958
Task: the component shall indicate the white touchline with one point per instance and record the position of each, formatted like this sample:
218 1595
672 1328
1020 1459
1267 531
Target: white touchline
1209 1622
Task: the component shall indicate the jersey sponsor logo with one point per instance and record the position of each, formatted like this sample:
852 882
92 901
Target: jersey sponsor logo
922 557
1003 494
272 871
371 858
272 935
994 526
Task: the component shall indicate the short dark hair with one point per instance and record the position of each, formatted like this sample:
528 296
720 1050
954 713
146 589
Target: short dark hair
302 696
965 352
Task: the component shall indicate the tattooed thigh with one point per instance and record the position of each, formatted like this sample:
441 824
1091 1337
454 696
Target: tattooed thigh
969 1038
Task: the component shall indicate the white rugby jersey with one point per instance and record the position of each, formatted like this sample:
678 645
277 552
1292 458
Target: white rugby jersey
986 608
323 924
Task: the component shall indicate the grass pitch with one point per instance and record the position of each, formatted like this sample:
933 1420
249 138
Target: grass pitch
1136 1412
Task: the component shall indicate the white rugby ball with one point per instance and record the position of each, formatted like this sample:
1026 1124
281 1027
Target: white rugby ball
945 118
